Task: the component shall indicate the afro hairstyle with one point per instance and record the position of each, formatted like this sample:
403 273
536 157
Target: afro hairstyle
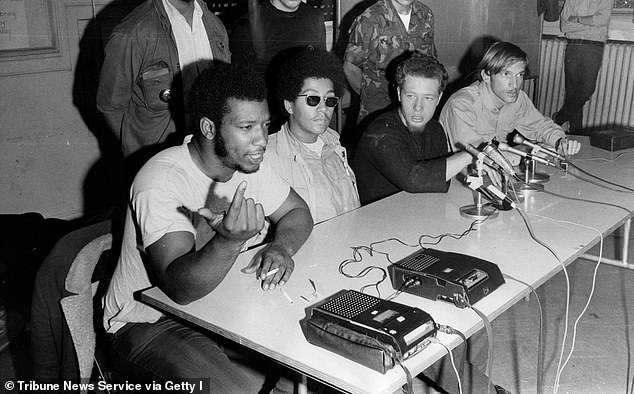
210 93
308 63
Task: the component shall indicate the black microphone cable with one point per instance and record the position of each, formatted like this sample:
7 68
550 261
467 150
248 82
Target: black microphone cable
576 167
586 200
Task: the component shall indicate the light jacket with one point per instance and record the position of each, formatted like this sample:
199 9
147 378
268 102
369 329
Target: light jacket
326 183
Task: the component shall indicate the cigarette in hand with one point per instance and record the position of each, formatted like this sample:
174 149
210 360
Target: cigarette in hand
272 272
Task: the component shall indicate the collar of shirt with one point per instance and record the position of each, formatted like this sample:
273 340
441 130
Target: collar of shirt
392 14
192 41
489 100
288 145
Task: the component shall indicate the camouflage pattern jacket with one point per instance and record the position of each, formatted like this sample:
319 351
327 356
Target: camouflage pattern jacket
377 36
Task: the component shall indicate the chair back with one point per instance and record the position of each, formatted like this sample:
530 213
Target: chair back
78 308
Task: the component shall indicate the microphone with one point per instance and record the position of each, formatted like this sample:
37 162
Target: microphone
503 146
489 191
495 155
520 139
481 156
501 195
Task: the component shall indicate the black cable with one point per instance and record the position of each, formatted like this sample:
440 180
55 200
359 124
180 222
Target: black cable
365 271
576 198
600 179
592 182
439 238
357 257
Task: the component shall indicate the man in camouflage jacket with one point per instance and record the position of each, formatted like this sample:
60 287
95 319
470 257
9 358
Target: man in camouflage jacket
382 32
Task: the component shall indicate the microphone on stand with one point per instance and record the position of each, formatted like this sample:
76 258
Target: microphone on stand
492 152
475 183
520 139
502 196
481 156
490 192
504 147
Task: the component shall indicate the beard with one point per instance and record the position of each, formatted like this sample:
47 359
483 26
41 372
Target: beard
220 148
416 128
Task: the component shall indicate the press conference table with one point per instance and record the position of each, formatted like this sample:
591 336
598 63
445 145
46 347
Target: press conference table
267 322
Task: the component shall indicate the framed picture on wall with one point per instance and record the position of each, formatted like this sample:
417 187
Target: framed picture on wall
30 39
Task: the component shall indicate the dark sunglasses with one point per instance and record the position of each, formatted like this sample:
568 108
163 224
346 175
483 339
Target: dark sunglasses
314 101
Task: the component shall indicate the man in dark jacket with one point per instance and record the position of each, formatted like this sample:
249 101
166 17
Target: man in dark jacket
152 58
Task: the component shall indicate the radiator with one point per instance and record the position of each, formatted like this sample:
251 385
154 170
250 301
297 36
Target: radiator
612 102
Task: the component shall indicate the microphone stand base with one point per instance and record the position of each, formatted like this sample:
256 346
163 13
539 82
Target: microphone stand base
478 212
538 177
522 189
500 205
532 176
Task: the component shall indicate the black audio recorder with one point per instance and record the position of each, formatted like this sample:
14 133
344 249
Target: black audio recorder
453 277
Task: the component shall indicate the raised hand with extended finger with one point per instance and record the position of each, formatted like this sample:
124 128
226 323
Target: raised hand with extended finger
243 220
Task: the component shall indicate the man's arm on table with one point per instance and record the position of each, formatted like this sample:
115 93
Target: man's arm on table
293 224
534 125
390 157
186 275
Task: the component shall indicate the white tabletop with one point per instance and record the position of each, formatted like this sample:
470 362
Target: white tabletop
265 320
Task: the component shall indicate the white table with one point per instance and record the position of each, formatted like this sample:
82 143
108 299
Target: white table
266 322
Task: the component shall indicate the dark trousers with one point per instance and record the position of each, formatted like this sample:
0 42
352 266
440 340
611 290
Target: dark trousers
582 62
169 350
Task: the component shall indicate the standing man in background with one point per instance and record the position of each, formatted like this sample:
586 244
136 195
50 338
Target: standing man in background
585 24
382 32
268 34
276 26
152 58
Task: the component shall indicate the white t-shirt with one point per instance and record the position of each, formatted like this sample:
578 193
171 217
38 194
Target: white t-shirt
194 51
406 18
165 197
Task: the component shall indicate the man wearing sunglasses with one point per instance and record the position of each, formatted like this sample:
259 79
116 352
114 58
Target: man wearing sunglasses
404 148
306 152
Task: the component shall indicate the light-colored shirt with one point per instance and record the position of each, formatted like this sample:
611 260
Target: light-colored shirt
600 10
325 182
165 197
470 117
194 51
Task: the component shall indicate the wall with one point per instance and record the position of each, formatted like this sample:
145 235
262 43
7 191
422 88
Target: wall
51 158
